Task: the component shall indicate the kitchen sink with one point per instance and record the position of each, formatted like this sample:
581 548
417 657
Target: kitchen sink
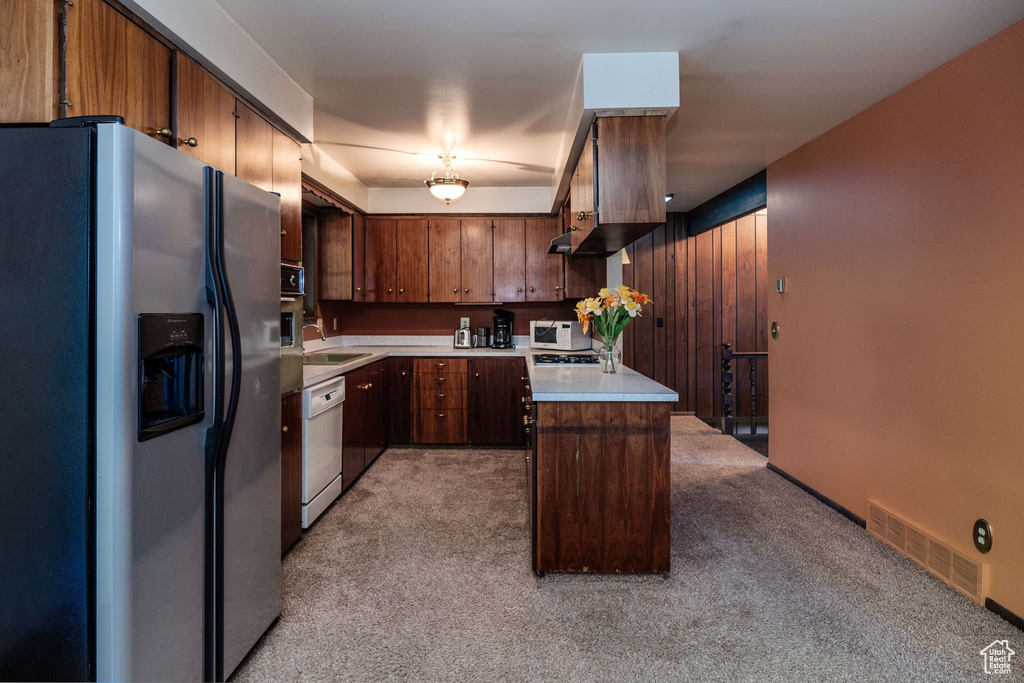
329 358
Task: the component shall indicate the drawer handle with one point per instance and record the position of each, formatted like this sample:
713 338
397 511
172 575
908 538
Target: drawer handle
440 416
438 365
439 379
440 395
284 428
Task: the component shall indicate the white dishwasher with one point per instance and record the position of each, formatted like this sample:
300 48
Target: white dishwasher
321 447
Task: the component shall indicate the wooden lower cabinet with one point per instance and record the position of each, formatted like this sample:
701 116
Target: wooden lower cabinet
400 374
291 470
365 430
496 401
439 400
602 497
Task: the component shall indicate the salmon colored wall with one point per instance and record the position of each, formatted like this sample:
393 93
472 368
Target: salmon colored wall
899 369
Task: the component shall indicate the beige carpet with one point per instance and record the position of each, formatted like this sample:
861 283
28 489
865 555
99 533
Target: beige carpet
420 572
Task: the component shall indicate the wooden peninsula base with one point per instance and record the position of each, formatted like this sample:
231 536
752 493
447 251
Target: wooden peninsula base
600 486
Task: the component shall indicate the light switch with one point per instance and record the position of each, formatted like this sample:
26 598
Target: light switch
780 285
463 322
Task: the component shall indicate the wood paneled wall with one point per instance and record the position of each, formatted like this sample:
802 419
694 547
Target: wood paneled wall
707 289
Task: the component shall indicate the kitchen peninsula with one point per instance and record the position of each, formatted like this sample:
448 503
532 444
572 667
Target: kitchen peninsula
597 451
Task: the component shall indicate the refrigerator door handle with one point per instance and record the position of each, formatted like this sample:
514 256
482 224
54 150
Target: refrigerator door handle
214 435
228 422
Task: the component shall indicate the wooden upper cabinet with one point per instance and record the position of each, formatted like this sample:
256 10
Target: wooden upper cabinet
206 116
287 182
27 81
412 244
334 255
445 270
510 259
358 258
254 148
477 260
115 67
631 170
380 259
544 280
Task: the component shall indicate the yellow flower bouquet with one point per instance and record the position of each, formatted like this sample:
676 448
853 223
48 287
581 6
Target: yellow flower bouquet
610 311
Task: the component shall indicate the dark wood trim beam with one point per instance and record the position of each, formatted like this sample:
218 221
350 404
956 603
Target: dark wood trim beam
739 200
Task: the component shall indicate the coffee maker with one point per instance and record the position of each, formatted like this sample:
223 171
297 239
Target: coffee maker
502 329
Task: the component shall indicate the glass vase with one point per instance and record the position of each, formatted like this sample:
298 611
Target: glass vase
611 357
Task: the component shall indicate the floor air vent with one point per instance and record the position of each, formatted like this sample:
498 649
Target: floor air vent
954 567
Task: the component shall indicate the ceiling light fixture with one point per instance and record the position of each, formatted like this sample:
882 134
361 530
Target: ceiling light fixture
669 197
449 186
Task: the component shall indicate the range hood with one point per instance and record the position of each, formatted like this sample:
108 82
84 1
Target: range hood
561 244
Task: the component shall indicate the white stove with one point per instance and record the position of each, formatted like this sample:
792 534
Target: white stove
564 360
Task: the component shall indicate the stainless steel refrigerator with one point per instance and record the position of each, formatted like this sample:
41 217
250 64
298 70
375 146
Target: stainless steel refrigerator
139 408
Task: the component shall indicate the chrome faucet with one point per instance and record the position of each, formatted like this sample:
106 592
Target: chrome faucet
323 337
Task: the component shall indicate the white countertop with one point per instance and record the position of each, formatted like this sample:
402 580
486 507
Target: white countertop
576 383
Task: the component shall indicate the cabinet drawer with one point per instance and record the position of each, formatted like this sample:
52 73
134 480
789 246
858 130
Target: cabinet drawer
440 399
432 382
441 366
439 426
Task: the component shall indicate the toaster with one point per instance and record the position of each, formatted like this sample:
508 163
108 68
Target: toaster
464 338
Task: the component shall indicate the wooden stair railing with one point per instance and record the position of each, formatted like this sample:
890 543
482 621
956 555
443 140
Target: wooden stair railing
728 355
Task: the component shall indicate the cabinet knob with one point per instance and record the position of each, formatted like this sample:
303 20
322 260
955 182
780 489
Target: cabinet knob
401 291
467 290
283 233
455 291
520 289
191 142
531 289
527 420
359 289
164 132
390 290
581 216
403 373
284 428
557 287
573 228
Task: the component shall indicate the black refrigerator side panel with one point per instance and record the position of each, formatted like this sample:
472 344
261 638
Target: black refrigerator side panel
46 383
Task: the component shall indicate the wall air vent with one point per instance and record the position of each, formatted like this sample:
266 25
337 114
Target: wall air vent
950 564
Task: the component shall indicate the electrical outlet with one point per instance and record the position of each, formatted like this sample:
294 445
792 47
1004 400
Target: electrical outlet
463 322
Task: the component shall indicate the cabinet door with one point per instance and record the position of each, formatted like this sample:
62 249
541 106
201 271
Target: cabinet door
334 255
28 81
254 148
353 437
587 192
495 401
358 258
445 271
206 116
477 260
400 400
291 470
412 240
510 260
115 67
376 414
380 259
543 270
287 182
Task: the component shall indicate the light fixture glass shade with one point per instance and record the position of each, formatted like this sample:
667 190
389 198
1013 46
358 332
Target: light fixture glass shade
449 186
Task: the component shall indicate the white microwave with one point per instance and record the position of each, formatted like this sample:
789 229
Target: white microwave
558 335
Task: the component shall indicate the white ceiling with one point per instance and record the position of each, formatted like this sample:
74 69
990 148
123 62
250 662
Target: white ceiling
395 82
